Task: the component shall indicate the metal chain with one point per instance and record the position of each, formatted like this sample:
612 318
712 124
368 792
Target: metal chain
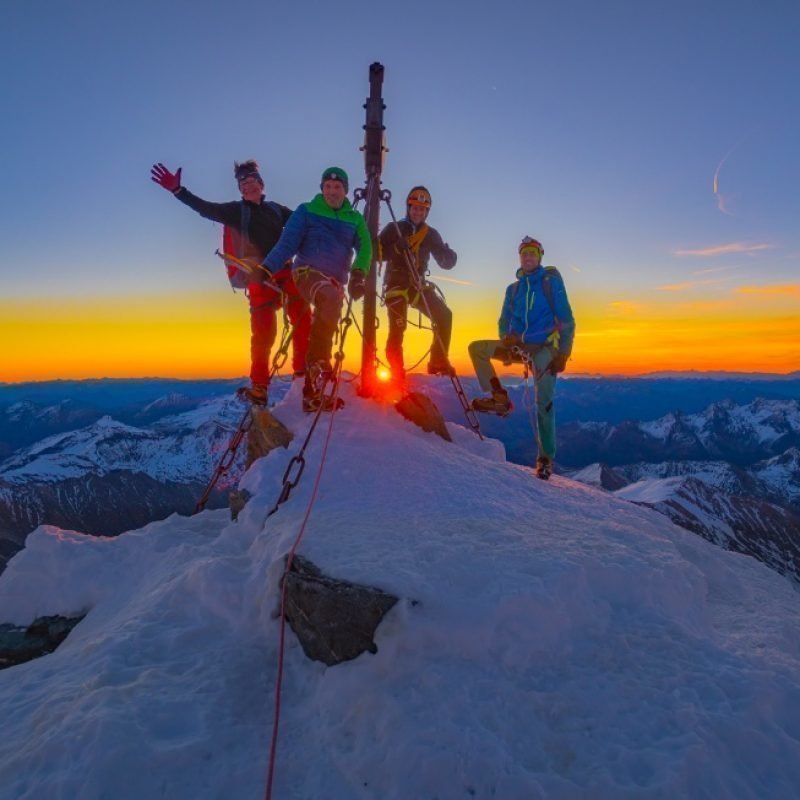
226 462
282 353
290 482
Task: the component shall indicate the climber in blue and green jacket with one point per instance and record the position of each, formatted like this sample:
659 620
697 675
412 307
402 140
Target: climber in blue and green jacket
321 236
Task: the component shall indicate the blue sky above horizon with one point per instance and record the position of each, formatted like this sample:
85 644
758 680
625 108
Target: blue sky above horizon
602 129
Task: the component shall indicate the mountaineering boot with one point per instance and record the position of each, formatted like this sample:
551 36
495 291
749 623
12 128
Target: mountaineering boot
441 368
496 403
313 402
255 394
317 381
318 374
544 468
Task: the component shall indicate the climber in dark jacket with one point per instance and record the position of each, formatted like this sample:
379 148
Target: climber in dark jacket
406 284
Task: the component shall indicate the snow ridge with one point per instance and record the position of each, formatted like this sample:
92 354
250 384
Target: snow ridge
551 641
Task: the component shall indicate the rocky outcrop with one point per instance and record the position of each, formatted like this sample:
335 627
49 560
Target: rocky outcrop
422 411
42 636
264 435
334 620
601 476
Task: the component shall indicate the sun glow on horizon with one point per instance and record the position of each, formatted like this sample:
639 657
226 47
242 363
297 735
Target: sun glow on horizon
206 335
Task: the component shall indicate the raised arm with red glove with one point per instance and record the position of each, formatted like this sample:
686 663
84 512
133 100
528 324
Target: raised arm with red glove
163 177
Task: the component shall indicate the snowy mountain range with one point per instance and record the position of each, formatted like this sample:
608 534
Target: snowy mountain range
104 476
108 477
775 479
739 434
754 510
743 524
32 411
550 641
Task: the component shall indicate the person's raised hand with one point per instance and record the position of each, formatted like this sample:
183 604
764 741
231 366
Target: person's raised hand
163 177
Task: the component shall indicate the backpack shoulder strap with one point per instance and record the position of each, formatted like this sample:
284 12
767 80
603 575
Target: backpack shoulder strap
244 225
549 272
276 209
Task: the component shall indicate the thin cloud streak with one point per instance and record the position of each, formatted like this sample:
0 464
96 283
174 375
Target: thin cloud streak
454 280
712 270
724 249
771 289
722 199
680 287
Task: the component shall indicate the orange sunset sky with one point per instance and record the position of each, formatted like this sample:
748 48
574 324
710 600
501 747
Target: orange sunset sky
653 153
206 334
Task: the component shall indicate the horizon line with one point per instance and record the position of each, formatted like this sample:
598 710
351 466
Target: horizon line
664 373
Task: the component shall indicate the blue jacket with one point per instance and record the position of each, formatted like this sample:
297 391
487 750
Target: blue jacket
527 311
323 238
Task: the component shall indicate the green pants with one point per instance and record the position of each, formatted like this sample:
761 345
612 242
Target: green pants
484 350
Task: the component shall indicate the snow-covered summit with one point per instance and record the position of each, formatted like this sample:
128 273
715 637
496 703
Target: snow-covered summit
551 641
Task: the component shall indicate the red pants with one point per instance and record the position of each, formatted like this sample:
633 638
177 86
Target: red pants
264 305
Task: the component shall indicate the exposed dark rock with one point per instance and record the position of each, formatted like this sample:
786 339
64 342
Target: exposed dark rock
265 434
602 476
8 549
421 410
41 637
334 620
237 500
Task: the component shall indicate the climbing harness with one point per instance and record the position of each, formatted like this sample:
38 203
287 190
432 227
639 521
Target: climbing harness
529 369
417 280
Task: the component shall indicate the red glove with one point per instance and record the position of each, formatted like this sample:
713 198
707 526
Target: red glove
163 177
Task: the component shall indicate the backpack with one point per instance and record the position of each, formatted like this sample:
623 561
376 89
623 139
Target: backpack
236 243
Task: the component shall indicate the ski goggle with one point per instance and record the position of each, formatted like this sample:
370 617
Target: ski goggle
246 176
419 198
530 245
